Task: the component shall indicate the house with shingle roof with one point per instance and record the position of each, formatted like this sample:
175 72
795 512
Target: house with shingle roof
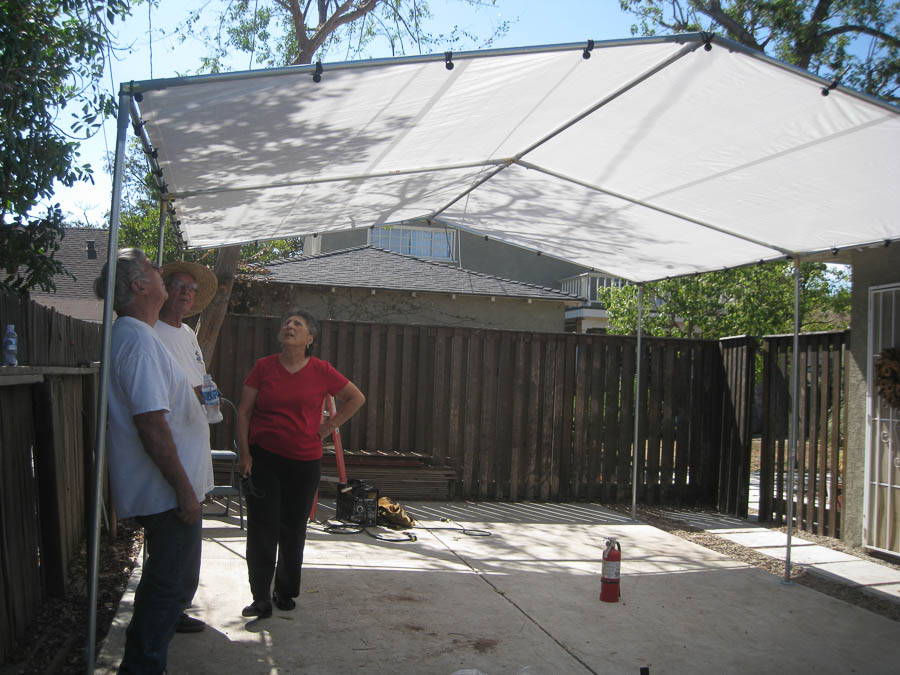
367 283
83 253
440 241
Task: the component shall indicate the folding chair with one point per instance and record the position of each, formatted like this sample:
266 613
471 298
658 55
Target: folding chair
232 488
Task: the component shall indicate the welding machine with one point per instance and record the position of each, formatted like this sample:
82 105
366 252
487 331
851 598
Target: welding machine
357 502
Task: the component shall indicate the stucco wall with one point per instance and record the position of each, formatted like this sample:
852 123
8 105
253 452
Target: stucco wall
871 267
478 255
343 304
510 262
337 241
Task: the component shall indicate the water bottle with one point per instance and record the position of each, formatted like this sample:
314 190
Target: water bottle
211 399
10 346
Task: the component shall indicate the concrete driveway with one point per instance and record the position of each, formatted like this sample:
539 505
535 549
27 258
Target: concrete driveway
523 600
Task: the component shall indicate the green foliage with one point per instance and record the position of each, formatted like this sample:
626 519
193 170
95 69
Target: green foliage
279 32
854 41
27 252
756 300
52 54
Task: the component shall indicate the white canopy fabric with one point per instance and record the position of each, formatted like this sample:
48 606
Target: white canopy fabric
653 158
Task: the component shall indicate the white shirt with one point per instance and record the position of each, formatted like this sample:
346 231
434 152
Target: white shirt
143 377
182 343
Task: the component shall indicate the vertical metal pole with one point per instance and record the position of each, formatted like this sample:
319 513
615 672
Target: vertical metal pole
795 422
100 452
163 206
637 405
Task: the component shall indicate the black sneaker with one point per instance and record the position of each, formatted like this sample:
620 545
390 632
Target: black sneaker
283 603
188 624
259 608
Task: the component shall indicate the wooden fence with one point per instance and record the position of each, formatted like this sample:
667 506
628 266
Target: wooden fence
47 417
524 416
822 424
514 415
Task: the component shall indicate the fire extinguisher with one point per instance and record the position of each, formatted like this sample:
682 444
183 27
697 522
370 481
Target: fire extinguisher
609 571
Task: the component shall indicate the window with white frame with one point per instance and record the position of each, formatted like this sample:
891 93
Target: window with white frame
416 241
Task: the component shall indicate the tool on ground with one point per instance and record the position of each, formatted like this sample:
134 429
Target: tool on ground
609 571
357 502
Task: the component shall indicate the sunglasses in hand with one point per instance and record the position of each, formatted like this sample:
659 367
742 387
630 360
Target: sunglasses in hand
248 488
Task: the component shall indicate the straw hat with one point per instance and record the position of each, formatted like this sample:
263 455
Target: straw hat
207 284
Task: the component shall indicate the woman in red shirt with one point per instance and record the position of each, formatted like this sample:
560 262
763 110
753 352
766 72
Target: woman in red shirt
280 432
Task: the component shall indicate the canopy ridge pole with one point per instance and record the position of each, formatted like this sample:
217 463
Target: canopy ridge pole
516 159
658 209
336 179
795 426
637 403
100 451
237 75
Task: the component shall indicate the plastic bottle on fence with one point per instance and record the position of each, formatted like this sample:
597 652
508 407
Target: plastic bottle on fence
10 346
211 399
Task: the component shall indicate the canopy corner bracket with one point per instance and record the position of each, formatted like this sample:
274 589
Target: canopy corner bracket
834 85
586 54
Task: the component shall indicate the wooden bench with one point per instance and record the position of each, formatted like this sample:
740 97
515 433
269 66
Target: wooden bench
400 476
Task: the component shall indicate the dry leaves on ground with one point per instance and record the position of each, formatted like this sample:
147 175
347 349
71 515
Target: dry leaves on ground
54 643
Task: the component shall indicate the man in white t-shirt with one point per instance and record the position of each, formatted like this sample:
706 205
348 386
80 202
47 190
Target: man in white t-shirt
158 439
190 288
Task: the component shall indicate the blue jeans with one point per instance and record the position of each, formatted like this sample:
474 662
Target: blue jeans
169 579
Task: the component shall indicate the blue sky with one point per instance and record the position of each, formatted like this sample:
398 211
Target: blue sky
533 22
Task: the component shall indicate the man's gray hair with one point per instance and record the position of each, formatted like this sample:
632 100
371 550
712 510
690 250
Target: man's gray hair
128 269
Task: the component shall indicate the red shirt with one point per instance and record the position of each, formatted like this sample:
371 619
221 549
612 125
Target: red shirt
288 409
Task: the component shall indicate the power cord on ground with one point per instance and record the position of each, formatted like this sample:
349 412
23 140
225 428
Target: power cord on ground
352 528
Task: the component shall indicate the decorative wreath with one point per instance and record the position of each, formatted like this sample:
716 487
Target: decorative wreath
887 366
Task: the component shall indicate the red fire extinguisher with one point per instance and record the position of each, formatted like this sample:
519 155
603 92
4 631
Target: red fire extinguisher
609 571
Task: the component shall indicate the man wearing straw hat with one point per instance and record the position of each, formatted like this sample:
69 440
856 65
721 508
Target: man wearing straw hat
191 287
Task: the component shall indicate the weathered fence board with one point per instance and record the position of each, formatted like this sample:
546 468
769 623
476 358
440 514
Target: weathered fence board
822 413
20 571
738 355
47 415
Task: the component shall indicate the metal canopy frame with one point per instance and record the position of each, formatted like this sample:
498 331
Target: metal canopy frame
131 95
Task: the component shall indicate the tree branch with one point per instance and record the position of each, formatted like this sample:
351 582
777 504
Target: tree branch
298 18
715 12
892 40
341 16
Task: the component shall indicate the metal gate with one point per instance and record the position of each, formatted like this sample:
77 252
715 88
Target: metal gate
881 517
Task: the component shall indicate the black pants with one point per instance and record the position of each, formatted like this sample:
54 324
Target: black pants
276 522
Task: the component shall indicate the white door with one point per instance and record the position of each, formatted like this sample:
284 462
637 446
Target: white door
881 517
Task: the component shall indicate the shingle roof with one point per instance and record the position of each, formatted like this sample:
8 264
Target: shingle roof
74 254
75 297
371 267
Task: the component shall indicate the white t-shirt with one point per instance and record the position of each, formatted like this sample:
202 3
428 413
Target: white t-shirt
182 343
143 377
